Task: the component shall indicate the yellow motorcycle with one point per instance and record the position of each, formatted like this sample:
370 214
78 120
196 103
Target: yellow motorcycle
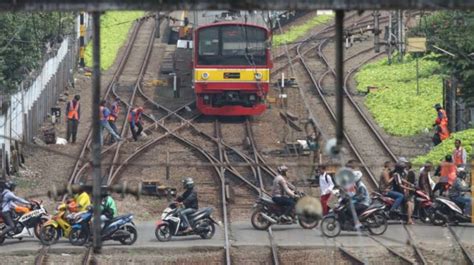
58 226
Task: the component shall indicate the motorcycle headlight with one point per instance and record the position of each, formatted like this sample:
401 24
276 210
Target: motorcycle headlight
205 76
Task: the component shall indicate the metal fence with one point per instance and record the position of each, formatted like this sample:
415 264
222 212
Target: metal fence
30 106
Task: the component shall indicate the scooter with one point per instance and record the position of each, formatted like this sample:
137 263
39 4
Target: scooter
340 218
120 228
27 221
447 211
59 225
170 224
422 211
267 213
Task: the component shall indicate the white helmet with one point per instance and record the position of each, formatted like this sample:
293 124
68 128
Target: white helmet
358 175
282 169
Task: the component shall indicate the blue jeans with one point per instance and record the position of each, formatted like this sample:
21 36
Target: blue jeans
106 125
286 202
398 197
465 201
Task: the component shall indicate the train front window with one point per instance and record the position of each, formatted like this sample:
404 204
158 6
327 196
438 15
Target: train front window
232 45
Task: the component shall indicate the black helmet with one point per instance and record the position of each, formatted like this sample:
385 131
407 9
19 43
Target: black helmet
104 191
10 185
188 183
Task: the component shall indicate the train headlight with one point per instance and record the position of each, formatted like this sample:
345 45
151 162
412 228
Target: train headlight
206 97
258 76
252 97
205 76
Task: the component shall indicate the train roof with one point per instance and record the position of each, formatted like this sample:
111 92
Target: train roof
224 23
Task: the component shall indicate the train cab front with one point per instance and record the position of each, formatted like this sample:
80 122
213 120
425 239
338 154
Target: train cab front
231 69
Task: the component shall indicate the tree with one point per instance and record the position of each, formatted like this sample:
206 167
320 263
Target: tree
454 32
24 39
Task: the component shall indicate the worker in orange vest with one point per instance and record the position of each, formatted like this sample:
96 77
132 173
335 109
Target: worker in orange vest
448 174
459 154
104 114
442 122
73 111
114 112
135 120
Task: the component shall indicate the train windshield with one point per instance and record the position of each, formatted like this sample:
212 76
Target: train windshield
232 45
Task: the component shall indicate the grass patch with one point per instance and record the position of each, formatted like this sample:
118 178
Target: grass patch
395 105
114 31
295 32
447 147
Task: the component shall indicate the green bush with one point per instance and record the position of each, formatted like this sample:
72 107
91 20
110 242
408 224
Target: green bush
296 32
115 26
395 105
447 147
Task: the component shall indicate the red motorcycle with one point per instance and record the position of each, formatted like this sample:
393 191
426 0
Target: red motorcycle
422 211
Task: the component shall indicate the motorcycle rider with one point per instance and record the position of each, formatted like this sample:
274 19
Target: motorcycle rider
457 190
386 181
189 200
82 199
282 194
108 209
8 199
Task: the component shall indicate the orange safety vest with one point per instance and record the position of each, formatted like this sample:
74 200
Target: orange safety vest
457 156
114 112
137 115
449 170
73 113
443 124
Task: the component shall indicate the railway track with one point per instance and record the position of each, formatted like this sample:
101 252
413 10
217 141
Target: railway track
42 257
466 254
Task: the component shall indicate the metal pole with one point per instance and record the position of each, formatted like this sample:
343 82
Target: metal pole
376 32
82 32
157 32
339 77
417 76
400 34
389 47
96 148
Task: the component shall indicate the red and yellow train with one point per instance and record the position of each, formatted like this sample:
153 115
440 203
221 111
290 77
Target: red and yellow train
232 65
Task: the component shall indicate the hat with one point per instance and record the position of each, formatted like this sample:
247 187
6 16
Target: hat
437 106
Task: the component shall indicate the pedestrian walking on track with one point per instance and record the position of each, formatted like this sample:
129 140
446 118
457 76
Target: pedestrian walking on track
135 120
114 112
104 123
73 110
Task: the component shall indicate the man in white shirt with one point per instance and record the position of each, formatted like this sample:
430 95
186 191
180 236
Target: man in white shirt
326 185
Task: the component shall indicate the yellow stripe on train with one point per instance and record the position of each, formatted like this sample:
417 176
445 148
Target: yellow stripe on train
231 75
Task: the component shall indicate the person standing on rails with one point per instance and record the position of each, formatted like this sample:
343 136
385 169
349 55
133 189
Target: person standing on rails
73 111
326 185
442 122
114 112
135 120
104 122
459 154
410 192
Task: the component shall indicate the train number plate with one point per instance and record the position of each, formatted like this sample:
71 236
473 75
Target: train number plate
231 75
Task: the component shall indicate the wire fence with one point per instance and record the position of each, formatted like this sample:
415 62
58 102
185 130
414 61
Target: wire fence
29 107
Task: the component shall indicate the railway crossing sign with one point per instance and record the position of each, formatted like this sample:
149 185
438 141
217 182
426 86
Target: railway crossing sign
417 44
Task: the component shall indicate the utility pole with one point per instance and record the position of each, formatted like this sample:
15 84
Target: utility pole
376 15
157 32
389 39
400 34
82 33
96 147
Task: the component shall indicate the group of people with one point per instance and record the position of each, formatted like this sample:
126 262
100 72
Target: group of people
108 115
78 203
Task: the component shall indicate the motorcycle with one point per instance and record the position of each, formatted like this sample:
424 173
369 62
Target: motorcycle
422 209
170 224
59 225
447 211
268 212
120 228
26 219
340 218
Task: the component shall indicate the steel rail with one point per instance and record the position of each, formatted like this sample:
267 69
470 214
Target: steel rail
414 245
141 74
354 259
393 251
467 255
117 73
88 257
42 256
273 247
